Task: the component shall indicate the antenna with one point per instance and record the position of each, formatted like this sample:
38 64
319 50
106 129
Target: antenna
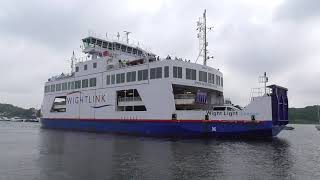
72 62
118 36
202 36
264 79
127 36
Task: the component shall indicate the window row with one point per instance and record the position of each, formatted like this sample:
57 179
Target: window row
93 42
84 83
155 73
85 67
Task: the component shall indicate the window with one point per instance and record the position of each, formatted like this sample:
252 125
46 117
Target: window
152 73
134 51
202 76
210 78
53 88
105 45
221 81
108 79
110 46
47 89
123 48
156 73
191 74
77 84
177 72
218 80
120 78
166 71
99 42
143 75
59 104
85 67
58 87
159 72
117 46
70 85
131 76
94 65
77 69
85 83
129 49
93 82
64 86
139 52
113 78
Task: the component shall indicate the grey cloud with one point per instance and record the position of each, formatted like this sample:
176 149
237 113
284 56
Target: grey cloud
298 10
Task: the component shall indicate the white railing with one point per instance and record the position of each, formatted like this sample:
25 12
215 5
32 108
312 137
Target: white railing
126 99
184 96
258 92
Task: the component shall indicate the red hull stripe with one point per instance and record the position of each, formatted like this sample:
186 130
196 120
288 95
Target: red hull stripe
160 120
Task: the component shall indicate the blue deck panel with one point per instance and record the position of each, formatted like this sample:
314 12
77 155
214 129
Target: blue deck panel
263 129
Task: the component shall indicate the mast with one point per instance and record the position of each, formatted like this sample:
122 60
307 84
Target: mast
127 36
202 36
205 38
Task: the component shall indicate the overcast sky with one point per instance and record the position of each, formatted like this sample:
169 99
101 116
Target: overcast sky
280 37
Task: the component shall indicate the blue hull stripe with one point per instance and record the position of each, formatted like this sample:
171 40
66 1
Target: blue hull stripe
167 128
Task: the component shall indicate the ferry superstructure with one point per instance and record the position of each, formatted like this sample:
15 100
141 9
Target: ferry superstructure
122 88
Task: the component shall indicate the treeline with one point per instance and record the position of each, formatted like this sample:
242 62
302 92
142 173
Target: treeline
306 115
10 111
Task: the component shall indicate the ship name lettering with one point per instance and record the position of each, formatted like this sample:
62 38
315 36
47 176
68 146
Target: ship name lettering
86 99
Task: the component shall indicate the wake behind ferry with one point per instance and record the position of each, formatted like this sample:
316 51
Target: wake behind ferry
123 88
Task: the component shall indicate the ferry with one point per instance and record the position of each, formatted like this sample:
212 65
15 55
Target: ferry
122 88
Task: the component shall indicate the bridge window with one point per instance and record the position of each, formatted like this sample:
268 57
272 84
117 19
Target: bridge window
139 53
53 88
94 65
191 74
93 82
58 87
93 41
64 86
123 48
85 67
117 46
156 73
77 69
85 83
143 75
166 71
105 44
77 84
218 80
210 78
70 85
108 79
110 46
221 81
47 89
134 51
113 78
120 78
131 76
129 49
99 43
202 76
177 72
